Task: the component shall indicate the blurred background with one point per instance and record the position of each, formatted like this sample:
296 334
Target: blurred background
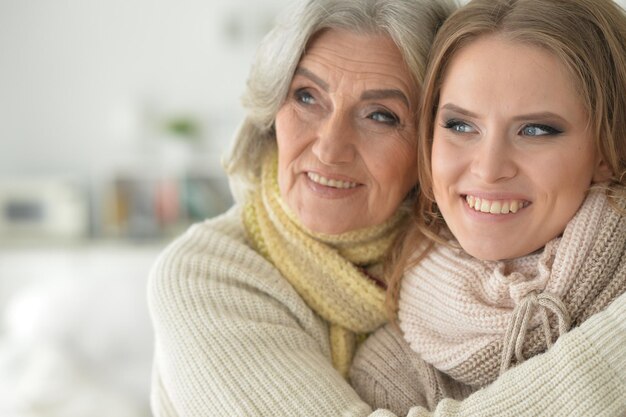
113 118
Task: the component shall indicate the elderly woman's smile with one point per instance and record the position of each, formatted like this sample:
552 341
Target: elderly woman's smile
330 183
346 133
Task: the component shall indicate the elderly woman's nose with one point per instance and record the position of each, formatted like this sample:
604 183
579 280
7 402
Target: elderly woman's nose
334 143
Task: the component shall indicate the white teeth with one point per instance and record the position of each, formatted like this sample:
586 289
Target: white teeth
495 207
330 183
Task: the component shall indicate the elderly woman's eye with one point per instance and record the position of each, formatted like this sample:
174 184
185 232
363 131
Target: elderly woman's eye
385 117
304 97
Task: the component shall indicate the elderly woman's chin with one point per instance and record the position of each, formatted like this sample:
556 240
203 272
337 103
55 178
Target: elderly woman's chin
322 208
332 214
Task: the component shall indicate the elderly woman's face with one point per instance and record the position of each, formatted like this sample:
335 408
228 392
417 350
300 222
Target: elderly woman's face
346 133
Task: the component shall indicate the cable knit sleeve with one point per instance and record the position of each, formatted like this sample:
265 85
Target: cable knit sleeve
233 338
387 373
583 374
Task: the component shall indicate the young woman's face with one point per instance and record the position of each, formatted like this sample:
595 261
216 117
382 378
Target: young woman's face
513 155
346 133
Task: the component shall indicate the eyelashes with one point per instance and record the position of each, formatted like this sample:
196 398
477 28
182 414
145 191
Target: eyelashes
385 117
377 114
528 130
457 126
540 130
303 96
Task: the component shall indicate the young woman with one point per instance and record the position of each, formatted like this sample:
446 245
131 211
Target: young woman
522 175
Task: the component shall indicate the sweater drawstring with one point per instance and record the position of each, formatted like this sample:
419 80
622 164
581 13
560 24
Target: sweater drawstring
520 320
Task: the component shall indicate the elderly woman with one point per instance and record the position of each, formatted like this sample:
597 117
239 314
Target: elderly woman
258 312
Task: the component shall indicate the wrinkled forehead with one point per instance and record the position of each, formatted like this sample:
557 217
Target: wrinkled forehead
339 54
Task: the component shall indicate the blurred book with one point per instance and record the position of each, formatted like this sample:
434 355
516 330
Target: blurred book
43 208
152 208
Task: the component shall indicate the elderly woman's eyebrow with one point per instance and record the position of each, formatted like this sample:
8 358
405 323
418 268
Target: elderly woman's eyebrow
310 75
385 93
367 95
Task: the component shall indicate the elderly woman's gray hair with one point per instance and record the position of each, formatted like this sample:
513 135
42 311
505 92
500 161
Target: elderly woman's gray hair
411 24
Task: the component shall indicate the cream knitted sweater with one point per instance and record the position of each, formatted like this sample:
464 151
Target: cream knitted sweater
233 338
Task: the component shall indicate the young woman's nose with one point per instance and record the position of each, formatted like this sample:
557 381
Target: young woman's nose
335 140
493 159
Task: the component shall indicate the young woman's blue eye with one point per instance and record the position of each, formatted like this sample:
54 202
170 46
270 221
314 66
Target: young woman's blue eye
458 126
384 117
304 97
539 130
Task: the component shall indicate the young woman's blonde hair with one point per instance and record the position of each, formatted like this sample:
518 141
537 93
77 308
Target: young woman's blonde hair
411 24
588 37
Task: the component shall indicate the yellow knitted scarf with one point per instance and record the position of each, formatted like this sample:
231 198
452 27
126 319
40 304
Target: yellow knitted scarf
332 273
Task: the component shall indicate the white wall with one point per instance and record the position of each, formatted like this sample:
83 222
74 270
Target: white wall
79 77
81 84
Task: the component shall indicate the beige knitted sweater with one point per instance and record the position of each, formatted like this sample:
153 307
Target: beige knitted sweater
233 338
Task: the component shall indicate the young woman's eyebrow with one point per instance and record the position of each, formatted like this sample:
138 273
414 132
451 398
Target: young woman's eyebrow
311 76
544 115
457 109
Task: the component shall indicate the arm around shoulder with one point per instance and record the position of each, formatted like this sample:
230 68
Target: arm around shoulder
583 374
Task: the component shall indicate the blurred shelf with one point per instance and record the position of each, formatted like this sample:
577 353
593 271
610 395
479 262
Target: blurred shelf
127 208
